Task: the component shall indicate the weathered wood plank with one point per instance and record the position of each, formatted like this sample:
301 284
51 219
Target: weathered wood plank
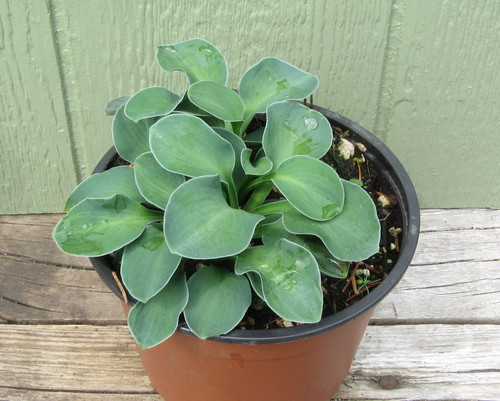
458 219
448 293
35 292
431 362
36 287
70 358
457 246
35 150
453 293
41 395
438 362
30 237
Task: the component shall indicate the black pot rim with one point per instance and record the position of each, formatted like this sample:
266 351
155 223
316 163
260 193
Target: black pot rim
406 196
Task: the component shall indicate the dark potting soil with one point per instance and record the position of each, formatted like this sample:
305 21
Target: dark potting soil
361 277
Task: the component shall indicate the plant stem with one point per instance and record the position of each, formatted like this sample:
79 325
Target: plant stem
258 196
233 196
255 183
248 116
273 207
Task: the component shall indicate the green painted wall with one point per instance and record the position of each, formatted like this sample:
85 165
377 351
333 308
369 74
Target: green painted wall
421 74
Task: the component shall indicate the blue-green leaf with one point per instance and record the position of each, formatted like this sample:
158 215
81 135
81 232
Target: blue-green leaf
118 180
153 322
115 104
147 264
262 165
352 235
255 137
290 278
238 145
199 224
328 265
216 99
294 129
154 101
186 107
199 59
154 182
96 227
311 186
130 139
184 144
218 300
273 80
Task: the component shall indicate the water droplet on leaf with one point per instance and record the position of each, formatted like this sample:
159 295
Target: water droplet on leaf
310 123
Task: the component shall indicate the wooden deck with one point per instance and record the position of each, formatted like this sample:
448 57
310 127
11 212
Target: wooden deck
435 337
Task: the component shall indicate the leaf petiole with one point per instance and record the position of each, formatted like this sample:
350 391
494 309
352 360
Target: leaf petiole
273 207
258 196
255 183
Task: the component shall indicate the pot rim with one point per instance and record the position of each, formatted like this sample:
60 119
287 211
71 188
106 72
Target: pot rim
406 196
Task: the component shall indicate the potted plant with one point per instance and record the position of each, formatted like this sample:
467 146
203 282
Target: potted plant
216 204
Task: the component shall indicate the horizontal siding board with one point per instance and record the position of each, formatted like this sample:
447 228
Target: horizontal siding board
446 102
36 166
421 75
335 40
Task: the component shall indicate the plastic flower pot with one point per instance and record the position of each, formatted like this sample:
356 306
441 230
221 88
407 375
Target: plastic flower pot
301 363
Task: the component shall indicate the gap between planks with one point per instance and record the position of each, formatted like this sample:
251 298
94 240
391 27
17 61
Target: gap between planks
448 362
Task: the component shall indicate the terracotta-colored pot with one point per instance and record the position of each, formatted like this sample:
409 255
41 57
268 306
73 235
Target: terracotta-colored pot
185 368
301 363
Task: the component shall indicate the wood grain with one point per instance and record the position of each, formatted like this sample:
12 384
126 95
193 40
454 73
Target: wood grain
317 36
29 237
33 292
434 337
36 167
43 395
438 362
444 101
452 270
421 75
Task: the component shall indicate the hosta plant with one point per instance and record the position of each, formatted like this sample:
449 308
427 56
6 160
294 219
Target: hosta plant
253 208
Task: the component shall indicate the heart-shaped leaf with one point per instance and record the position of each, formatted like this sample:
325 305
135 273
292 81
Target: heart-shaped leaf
291 282
273 80
185 106
147 264
311 186
96 227
255 137
186 145
130 139
216 99
115 104
294 129
153 322
353 235
199 224
261 166
199 59
238 145
154 101
218 300
328 265
154 182
118 180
